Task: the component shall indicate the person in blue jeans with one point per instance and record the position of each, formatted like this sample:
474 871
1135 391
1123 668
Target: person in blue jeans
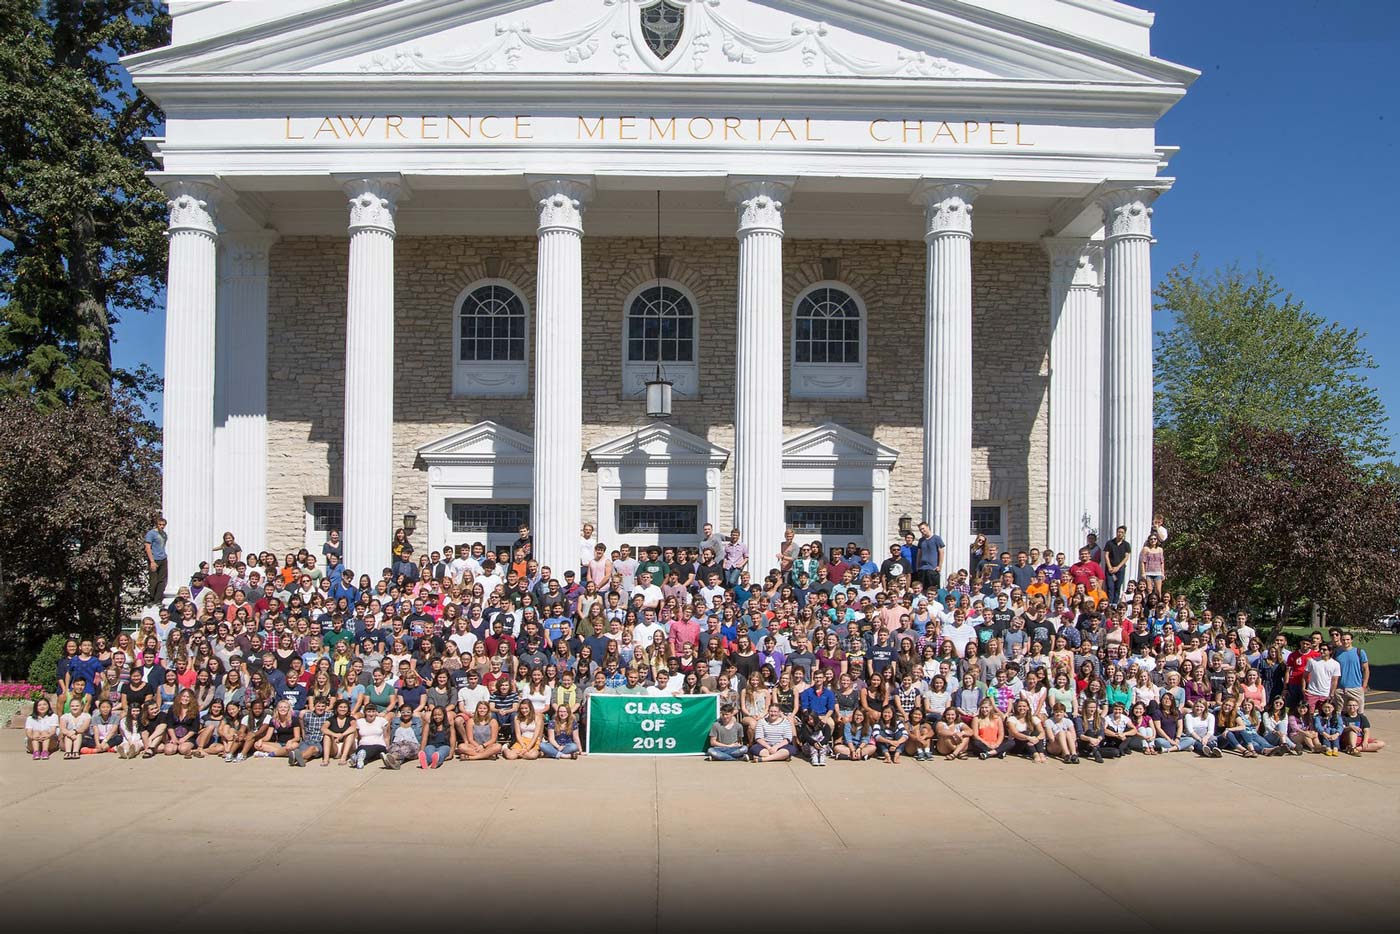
1328 723
726 742
437 739
561 736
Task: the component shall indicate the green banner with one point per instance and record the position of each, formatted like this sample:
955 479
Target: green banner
635 725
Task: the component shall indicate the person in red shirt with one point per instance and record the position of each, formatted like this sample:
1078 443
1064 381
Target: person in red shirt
1085 568
1297 665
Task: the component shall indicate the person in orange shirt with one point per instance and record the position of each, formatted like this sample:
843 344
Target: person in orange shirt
1095 592
1039 587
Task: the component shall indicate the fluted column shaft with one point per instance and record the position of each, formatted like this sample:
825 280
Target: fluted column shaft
758 378
368 461
558 372
188 404
948 367
1076 368
240 390
1127 363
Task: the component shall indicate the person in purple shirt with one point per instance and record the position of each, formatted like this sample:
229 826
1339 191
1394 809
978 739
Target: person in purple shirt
736 558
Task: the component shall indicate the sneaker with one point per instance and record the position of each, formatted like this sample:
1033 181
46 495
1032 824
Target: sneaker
813 757
359 762
1098 756
260 754
821 757
294 758
391 761
982 756
241 757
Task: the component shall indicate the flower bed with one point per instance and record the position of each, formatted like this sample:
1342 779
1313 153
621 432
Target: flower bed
17 697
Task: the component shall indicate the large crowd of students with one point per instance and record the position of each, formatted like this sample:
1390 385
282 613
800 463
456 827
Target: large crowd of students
814 651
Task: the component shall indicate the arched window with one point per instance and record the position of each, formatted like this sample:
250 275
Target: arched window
490 332
828 343
660 328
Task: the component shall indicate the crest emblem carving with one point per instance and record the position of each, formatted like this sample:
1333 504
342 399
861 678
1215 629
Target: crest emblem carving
662 23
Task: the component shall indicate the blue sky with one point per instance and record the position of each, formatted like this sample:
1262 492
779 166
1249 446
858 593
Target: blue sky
1288 161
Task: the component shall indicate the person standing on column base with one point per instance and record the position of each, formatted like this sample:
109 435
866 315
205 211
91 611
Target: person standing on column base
1115 554
930 564
157 561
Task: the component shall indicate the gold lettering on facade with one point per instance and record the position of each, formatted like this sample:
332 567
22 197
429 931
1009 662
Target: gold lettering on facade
597 131
944 130
639 129
660 131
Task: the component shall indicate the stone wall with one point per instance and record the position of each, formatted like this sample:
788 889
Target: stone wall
306 356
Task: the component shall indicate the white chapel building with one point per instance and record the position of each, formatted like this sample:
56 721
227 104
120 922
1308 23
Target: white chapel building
892 255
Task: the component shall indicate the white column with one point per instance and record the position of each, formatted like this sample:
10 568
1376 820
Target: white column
758 381
1127 362
240 389
948 366
188 402
368 463
1076 368
556 514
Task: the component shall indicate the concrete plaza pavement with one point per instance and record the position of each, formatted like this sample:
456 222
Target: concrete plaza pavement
680 844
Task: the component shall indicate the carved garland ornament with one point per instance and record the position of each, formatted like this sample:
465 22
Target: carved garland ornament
661 33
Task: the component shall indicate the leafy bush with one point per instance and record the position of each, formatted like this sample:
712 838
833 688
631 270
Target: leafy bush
44 669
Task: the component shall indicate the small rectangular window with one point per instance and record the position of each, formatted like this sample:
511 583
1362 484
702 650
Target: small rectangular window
827 521
658 519
489 517
326 516
986 520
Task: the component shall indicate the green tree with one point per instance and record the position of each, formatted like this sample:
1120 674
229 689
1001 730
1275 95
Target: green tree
85 226
1280 520
1242 351
79 486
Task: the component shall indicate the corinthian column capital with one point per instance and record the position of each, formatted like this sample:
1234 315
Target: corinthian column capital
191 205
373 201
561 201
1074 262
1127 209
760 202
947 206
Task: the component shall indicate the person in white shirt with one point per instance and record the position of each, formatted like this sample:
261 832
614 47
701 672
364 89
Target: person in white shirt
586 543
650 593
41 729
645 631
1323 674
462 638
711 590
665 685
959 632
472 693
626 565
1243 629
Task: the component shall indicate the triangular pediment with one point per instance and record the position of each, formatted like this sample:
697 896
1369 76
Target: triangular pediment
485 442
835 445
658 445
903 39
